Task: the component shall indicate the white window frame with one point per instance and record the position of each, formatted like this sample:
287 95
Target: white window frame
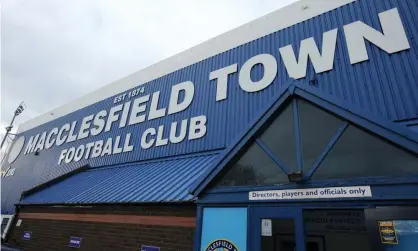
6 230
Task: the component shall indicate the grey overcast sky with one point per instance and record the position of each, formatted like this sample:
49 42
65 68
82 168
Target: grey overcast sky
54 51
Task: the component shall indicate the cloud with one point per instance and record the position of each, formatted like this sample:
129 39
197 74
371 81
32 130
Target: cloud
56 51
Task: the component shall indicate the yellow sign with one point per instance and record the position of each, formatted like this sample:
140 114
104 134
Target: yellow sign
387 232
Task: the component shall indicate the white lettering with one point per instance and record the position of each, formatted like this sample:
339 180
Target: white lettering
70 155
116 147
41 142
97 149
113 117
85 125
144 143
88 149
79 153
107 149
173 132
160 140
308 49
30 147
62 156
124 117
221 76
270 70
154 111
60 139
127 146
71 136
175 106
392 40
137 108
197 127
49 143
98 123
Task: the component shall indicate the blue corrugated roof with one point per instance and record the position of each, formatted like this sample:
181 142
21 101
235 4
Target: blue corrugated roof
163 181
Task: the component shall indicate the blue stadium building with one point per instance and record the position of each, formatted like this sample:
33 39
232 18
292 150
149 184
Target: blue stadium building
297 131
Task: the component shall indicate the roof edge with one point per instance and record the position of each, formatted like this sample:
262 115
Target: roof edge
60 204
280 19
54 181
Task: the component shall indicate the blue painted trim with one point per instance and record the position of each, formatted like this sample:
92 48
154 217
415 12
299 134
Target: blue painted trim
258 213
322 183
291 89
322 100
327 149
178 157
304 205
270 153
299 153
249 229
408 122
198 186
198 229
226 201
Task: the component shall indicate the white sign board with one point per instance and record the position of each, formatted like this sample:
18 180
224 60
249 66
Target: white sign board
19 222
312 193
266 228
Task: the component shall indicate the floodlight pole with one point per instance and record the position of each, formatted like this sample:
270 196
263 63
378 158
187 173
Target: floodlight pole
8 129
19 110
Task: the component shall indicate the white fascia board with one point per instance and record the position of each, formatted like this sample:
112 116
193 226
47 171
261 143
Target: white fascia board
285 17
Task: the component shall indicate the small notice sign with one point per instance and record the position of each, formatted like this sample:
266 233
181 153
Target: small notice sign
27 235
312 193
18 223
149 248
387 232
266 227
75 242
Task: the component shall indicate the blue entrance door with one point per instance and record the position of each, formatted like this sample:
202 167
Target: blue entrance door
275 229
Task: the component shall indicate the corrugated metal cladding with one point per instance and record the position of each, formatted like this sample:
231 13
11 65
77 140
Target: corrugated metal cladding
163 181
384 86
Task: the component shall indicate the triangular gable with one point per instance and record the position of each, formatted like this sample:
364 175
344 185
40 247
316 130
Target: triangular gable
388 130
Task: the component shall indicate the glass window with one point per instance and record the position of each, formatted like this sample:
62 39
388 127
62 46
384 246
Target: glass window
280 138
317 128
255 167
360 154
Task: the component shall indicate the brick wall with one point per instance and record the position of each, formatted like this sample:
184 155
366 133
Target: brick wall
106 228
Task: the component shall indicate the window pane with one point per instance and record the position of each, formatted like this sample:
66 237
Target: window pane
317 127
280 138
360 154
255 167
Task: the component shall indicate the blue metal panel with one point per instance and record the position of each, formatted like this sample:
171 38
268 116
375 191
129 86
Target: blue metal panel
163 181
384 87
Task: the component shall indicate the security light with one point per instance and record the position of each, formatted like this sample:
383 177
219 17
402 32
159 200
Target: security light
295 177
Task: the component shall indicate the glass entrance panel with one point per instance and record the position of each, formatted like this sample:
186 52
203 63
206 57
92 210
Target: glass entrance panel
283 238
336 230
282 235
276 229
